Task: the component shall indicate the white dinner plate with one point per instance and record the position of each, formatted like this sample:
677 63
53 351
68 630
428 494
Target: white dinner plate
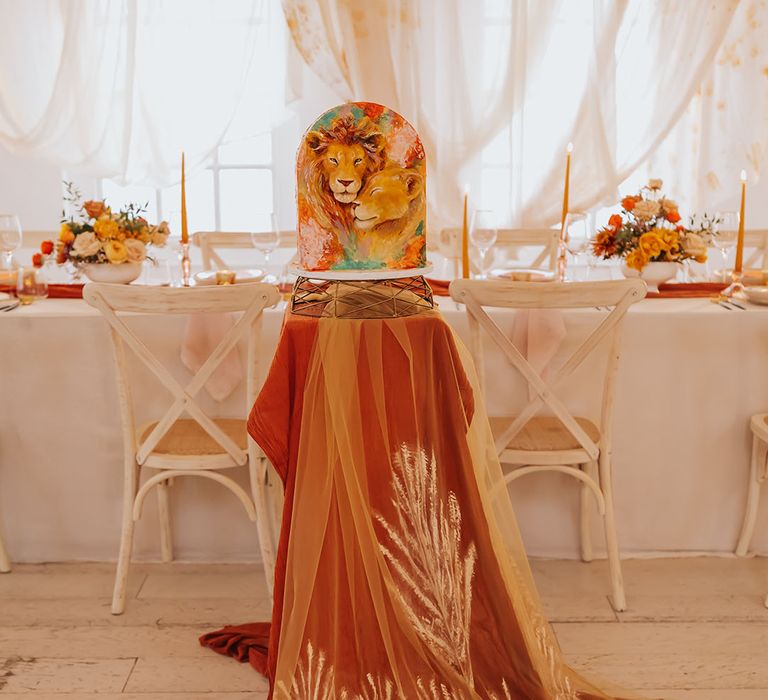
757 295
241 276
523 275
4 296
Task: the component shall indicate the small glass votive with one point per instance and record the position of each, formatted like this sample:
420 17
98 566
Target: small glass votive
31 284
225 277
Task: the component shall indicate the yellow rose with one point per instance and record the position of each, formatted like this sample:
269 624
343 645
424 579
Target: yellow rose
66 235
670 240
636 259
116 252
106 228
651 245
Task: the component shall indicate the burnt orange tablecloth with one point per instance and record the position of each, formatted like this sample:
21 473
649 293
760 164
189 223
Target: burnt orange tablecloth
398 574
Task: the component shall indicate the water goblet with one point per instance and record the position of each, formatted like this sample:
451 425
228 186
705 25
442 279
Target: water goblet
724 234
10 239
483 234
267 242
577 236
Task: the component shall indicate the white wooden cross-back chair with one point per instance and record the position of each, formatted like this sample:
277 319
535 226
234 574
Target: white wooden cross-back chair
558 441
756 248
196 446
758 474
510 240
210 242
5 561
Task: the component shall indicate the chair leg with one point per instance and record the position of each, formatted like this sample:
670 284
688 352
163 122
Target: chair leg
260 489
126 539
5 561
585 514
164 511
756 463
611 541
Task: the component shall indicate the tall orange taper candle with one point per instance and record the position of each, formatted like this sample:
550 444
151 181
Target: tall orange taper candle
465 237
569 150
184 231
740 243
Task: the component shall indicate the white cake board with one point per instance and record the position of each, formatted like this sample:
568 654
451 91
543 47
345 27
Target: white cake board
353 275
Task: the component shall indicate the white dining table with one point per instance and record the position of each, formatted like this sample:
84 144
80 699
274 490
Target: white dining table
691 375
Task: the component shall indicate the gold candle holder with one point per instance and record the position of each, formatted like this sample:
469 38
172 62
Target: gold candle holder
186 265
225 277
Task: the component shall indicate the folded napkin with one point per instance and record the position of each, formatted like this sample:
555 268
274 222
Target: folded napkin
692 290
439 287
538 334
55 291
203 333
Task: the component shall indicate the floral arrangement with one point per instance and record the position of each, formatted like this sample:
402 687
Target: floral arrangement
103 236
648 229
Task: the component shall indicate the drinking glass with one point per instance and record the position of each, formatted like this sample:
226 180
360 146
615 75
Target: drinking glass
577 237
724 235
267 242
31 284
483 234
10 238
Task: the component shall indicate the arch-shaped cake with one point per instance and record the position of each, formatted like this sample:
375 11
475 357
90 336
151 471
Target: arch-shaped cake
361 192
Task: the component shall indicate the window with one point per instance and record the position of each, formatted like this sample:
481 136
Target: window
233 193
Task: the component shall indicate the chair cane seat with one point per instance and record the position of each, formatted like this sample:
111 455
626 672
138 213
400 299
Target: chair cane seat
544 434
187 439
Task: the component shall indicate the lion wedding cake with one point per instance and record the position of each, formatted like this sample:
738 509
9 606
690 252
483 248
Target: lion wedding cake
361 195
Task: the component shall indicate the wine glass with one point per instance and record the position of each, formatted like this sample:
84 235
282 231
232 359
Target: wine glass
267 242
724 234
577 236
31 284
10 238
483 234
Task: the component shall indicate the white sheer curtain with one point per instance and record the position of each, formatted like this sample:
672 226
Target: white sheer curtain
612 77
118 88
725 127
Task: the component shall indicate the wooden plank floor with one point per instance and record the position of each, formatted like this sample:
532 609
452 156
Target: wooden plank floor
696 628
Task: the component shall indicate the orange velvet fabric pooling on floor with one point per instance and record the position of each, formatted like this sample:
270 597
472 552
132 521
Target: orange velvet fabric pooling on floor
393 577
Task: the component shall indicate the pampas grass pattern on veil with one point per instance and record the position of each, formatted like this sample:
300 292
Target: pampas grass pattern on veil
425 553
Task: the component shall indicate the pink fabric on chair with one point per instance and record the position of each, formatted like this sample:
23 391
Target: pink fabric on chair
538 334
203 333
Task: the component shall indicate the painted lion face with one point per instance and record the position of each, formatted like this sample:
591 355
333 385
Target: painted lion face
345 164
386 196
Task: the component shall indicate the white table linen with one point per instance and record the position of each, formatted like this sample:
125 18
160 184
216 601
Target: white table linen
692 373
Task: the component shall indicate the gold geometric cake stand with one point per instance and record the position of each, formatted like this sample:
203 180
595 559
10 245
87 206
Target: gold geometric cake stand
381 298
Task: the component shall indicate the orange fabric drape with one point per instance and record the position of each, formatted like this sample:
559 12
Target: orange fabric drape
400 570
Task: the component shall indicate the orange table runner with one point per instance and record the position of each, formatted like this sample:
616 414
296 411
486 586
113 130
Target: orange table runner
398 575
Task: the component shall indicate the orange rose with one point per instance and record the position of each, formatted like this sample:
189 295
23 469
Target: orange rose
38 260
46 247
673 216
615 222
628 203
94 208
61 255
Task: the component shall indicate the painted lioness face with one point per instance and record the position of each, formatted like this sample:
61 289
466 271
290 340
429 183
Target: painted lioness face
386 196
345 165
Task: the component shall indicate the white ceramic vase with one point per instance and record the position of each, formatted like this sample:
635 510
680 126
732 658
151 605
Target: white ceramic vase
123 273
653 274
